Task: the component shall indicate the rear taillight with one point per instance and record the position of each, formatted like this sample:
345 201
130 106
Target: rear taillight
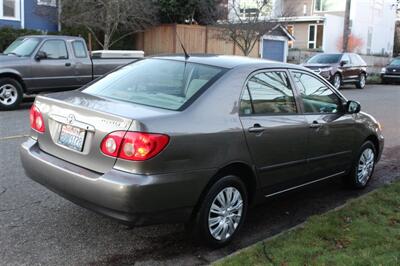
134 146
36 119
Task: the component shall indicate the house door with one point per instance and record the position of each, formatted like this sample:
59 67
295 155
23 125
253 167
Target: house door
273 50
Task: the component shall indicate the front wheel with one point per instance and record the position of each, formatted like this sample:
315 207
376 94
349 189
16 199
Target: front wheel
337 81
363 167
11 94
222 212
361 81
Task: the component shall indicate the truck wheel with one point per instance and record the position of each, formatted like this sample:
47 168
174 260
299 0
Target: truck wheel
363 167
11 94
222 212
361 81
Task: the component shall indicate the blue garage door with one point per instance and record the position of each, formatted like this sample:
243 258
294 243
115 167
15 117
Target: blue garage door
274 50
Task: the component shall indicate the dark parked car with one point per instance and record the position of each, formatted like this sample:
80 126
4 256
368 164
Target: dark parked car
197 140
391 73
34 64
340 69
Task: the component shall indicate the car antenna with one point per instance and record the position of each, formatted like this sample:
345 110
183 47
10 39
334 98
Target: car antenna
187 56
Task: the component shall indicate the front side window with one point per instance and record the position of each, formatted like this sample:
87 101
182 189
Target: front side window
268 93
317 97
346 58
166 84
55 49
79 49
22 46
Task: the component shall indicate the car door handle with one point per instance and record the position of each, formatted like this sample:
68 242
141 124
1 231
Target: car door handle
257 128
315 124
68 64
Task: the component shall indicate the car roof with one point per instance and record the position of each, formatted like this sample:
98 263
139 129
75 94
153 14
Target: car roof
62 37
227 61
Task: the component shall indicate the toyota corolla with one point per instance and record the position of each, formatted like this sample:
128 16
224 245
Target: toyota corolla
197 140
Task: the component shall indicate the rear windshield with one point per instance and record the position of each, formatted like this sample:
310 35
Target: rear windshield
325 59
159 83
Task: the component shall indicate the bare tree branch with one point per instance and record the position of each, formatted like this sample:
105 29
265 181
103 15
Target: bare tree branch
110 17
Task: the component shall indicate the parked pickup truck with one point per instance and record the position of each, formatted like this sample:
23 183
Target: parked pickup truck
34 64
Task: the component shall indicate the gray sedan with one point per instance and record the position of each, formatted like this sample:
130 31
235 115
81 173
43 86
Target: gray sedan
197 140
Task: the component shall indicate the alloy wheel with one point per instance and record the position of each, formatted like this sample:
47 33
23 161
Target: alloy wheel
365 166
362 81
337 81
225 213
8 94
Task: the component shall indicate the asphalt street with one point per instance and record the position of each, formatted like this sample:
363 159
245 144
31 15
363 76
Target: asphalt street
39 227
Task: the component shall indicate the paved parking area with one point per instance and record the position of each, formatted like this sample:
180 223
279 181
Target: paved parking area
39 227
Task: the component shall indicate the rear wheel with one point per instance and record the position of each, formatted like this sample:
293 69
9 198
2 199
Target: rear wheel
337 81
11 94
361 81
363 166
222 212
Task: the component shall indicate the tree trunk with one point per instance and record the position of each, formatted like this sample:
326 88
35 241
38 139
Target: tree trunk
106 43
346 29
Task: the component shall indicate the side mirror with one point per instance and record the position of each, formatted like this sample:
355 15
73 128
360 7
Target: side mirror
344 62
353 107
40 55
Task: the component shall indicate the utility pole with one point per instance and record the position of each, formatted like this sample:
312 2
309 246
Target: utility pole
346 28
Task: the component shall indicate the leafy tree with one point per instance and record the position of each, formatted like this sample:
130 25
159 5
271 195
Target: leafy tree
188 11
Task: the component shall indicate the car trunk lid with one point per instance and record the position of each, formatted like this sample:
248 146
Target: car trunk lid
76 124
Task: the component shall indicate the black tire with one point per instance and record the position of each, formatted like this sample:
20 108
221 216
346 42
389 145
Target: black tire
13 98
336 81
353 180
362 79
199 226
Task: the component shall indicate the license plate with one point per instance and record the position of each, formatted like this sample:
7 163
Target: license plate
72 137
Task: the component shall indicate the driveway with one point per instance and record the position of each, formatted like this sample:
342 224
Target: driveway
39 227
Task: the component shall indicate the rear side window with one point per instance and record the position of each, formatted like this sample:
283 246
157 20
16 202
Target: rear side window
79 49
268 93
167 84
317 97
55 49
357 60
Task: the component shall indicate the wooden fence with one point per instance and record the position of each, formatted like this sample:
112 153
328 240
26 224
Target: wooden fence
164 39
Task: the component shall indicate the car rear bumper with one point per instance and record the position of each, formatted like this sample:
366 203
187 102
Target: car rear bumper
130 198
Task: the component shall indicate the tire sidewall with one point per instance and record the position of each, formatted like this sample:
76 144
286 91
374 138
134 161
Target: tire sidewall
201 228
353 176
334 80
17 85
359 81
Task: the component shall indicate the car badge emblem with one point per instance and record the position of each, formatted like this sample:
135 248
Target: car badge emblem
394 70
70 118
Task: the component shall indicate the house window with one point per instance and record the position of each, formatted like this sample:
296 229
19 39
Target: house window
47 2
9 9
330 5
315 36
290 29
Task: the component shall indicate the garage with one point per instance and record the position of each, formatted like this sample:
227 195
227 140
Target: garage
273 50
274 44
